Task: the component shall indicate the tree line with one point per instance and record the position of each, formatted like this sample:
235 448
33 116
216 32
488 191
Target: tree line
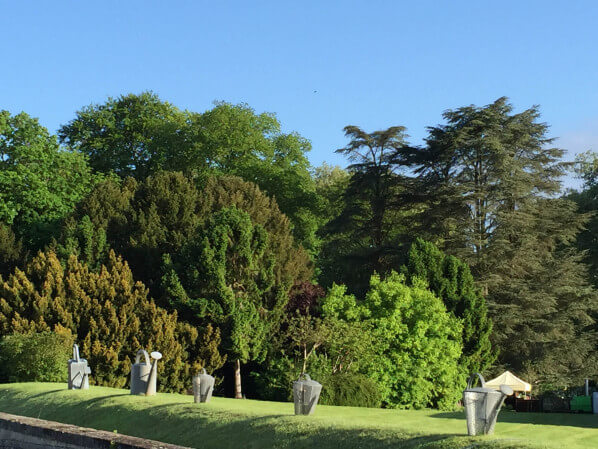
210 237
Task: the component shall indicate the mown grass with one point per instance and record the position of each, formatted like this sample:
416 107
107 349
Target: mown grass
229 423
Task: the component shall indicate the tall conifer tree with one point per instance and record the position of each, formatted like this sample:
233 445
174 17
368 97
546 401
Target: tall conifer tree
451 280
489 177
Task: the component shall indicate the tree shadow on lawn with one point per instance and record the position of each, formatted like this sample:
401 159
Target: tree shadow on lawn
45 393
196 425
584 420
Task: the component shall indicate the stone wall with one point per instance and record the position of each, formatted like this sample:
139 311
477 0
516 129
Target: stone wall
20 432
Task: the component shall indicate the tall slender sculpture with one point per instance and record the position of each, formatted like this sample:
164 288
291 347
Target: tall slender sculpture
78 371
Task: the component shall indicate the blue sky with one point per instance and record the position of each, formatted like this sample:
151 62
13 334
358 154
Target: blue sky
319 65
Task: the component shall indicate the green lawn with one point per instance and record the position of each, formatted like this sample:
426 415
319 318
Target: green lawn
230 423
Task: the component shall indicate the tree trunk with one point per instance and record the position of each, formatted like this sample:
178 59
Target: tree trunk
238 393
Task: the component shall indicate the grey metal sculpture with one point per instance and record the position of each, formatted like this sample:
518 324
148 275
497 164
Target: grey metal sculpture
306 393
144 375
78 371
482 405
203 385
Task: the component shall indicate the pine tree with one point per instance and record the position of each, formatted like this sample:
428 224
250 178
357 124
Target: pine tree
489 177
451 280
363 238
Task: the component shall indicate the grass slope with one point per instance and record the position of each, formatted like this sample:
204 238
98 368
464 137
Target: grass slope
230 423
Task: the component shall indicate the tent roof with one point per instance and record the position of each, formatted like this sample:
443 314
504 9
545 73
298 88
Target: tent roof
510 379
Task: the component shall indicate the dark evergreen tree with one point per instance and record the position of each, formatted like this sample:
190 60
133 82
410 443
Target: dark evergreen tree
226 276
363 239
11 250
587 202
489 176
451 280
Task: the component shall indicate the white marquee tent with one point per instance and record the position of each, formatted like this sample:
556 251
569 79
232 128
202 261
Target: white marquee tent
508 378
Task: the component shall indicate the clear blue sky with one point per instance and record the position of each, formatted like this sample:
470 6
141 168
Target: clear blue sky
319 65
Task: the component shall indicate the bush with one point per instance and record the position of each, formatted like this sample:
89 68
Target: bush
420 342
110 316
40 357
350 389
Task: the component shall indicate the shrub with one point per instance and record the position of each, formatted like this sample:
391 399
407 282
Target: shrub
109 314
419 341
39 357
350 389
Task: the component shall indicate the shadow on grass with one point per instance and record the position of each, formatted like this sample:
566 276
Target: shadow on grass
45 393
194 425
548 419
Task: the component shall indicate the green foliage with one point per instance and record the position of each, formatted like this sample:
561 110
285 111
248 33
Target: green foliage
364 237
109 315
292 264
418 342
132 135
587 203
237 141
140 135
153 219
35 357
351 390
451 280
545 306
84 240
487 181
11 250
39 183
227 276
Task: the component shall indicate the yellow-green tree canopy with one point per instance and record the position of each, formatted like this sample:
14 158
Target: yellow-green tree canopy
110 316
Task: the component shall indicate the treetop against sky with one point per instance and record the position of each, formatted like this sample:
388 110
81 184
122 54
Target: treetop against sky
318 65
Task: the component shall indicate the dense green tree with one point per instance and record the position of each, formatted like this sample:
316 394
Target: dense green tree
139 135
11 250
419 342
40 184
331 183
451 280
587 202
478 170
109 315
292 262
489 177
240 142
363 238
226 276
132 135
144 221
540 293
35 357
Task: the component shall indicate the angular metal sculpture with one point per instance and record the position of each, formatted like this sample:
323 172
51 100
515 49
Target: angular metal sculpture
78 371
144 375
482 406
203 385
306 393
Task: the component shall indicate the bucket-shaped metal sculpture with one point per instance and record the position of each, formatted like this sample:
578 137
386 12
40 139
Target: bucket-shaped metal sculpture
144 374
78 371
306 393
203 385
482 405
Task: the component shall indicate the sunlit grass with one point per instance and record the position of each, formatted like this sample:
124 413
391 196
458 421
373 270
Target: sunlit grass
232 423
